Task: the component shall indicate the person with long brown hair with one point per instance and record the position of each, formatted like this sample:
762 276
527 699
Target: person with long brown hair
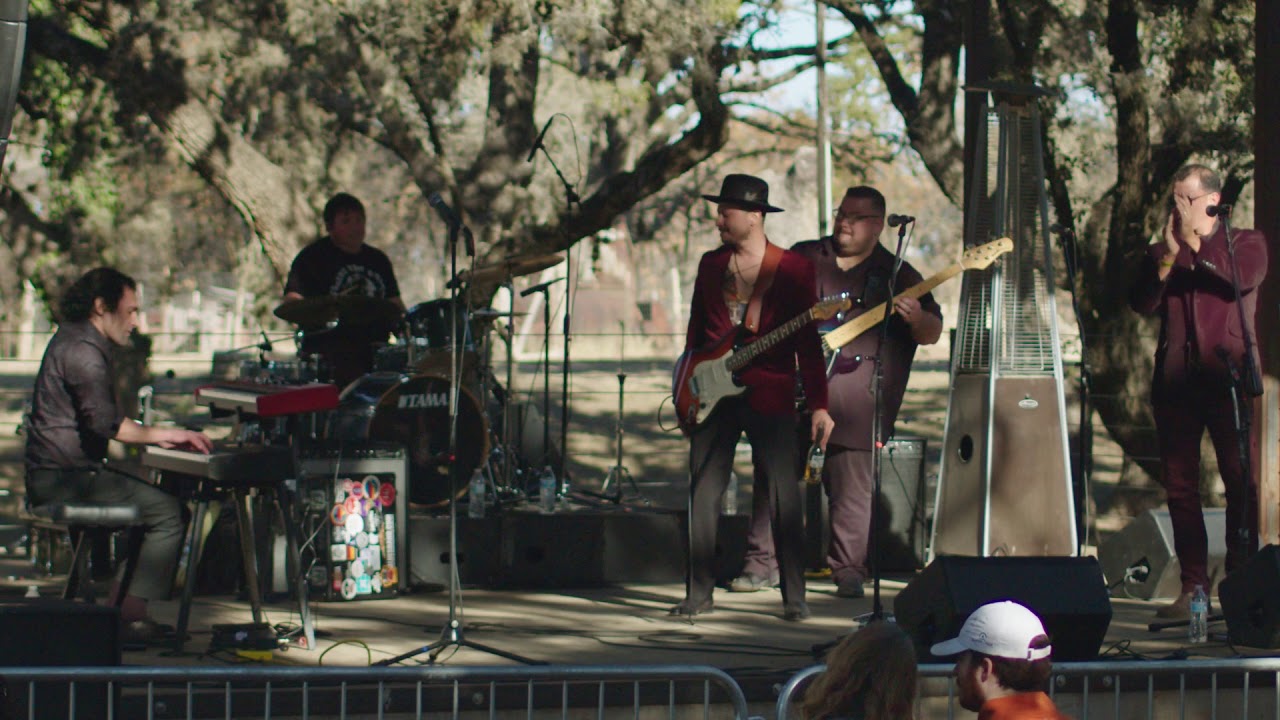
870 675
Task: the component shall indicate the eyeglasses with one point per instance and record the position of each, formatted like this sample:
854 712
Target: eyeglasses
850 219
1192 200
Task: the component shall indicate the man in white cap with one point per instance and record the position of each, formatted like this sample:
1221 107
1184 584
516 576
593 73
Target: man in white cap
1003 664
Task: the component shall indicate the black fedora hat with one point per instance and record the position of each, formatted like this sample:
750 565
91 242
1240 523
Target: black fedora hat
746 191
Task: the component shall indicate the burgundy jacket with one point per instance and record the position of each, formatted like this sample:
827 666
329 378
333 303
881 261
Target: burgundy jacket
770 378
1197 307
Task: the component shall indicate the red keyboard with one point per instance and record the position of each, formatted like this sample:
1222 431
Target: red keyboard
268 400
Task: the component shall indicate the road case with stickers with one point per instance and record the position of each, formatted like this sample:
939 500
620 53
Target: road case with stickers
353 529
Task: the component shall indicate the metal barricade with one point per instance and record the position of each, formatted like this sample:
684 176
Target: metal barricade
1111 690
546 691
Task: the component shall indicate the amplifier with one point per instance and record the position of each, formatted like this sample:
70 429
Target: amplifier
354 512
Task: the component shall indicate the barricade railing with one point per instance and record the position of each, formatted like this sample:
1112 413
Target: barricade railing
1110 690
266 692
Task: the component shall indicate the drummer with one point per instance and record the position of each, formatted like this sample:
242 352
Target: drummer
340 263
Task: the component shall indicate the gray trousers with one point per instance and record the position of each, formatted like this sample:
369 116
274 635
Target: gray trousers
773 456
160 514
848 480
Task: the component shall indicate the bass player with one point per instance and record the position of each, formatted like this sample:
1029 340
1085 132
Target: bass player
751 286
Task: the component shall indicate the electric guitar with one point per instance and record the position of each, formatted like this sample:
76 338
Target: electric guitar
704 377
975 258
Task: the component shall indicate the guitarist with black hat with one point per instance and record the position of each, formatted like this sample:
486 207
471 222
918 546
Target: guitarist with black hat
763 297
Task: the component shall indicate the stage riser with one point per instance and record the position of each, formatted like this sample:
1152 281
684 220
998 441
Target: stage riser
566 550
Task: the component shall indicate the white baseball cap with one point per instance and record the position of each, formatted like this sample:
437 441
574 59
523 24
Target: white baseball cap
1000 629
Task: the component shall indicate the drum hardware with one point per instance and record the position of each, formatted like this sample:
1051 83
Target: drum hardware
618 474
502 272
544 288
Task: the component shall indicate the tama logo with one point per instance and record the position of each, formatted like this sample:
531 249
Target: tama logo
416 401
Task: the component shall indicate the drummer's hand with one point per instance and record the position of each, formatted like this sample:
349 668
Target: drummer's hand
821 428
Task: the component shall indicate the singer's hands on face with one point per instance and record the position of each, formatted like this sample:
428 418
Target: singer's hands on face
821 427
1170 237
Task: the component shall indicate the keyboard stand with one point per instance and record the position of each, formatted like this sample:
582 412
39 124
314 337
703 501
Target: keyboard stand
249 558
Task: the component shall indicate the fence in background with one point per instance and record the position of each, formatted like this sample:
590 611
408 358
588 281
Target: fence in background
309 692
1110 690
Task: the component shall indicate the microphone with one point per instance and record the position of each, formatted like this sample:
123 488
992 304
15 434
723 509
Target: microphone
537 143
265 345
540 287
896 220
453 221
1216 210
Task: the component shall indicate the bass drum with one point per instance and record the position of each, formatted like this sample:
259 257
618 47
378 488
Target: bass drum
413 412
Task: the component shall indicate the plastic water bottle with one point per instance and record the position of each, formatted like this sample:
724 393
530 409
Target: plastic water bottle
547 490
730 506
813 464
475 494
1198 628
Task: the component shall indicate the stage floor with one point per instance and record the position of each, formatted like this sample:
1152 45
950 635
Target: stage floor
620 625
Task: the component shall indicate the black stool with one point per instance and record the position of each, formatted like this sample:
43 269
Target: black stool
76 519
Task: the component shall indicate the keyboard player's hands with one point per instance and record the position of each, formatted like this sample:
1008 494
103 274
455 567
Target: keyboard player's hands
182 439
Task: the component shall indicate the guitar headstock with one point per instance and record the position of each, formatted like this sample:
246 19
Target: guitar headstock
981 256
827 309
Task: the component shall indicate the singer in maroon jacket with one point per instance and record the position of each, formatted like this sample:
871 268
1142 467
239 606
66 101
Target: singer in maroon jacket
1186 278
728 277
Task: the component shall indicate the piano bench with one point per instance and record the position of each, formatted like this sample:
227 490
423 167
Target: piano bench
74 521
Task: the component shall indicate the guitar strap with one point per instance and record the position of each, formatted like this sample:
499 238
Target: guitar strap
764 281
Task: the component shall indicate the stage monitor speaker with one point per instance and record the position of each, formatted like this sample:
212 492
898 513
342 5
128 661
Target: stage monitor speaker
59 633
1146 545
1068 594
1250 600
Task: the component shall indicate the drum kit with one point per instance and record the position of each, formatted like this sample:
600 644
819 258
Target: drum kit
404 400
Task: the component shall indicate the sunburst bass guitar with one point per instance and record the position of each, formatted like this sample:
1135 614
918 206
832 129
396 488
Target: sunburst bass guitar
704 377
975 258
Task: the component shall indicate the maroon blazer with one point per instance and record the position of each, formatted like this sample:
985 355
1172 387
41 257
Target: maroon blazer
770 378
1197 306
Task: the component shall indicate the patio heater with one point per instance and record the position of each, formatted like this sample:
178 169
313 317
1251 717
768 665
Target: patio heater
1004 484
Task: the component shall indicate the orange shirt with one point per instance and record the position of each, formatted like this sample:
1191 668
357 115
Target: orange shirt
1021 706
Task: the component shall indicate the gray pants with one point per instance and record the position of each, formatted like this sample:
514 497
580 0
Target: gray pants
773 456
849 483
160 513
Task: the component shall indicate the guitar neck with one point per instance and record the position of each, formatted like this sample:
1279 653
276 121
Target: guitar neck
846 333
742 357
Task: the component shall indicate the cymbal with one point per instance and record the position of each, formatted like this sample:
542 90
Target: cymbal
485 313
511 268
322 309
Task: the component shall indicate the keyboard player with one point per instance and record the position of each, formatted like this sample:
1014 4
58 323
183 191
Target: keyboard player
74 414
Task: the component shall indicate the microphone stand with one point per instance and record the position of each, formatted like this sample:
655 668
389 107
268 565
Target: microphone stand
1243 379
570 197
451 635
877 431
545 289
1067 241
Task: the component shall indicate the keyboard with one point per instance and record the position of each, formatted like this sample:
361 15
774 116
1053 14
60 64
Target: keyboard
267 399
231 465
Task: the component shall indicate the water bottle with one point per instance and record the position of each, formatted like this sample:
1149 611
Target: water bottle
1198 628
730 506
475 493
547 490
813 464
